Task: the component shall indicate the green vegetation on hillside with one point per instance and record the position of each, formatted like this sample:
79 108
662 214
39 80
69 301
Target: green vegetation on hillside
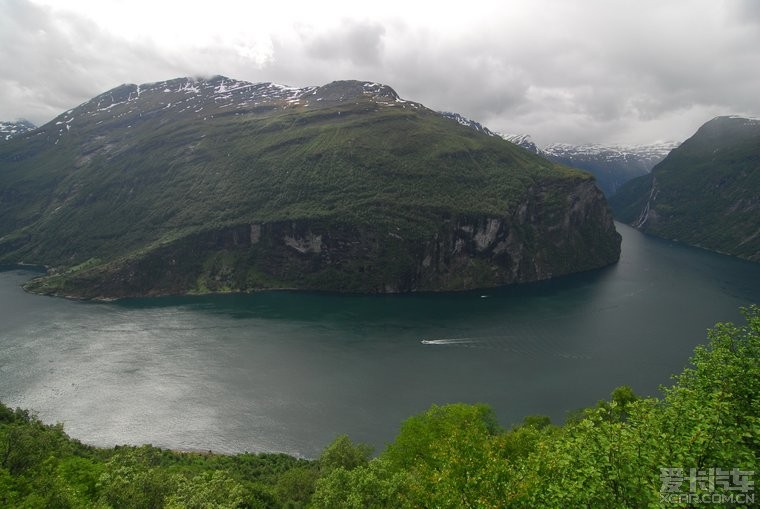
705 192
353 161
124 179
453 456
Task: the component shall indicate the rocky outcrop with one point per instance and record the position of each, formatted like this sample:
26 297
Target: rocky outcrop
551 232
211 185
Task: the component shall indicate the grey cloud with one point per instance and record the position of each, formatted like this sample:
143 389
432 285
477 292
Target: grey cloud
590 71
360 42
53 63
747 11
613 78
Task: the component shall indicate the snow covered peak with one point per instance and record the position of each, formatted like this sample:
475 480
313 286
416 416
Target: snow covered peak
467 122
201 99
379 91
198 95
9 130
745 120
522 140
645 155
743 117
353 91
614 152
611 165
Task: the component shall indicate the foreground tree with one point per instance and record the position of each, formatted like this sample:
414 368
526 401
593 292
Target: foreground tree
612 455
625 452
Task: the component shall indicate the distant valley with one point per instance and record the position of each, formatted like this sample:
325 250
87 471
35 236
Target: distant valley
611 165
219 185
705 193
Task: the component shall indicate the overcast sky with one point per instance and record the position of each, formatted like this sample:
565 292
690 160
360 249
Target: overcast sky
561 70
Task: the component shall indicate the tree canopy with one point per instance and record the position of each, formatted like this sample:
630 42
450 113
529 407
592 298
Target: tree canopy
696 446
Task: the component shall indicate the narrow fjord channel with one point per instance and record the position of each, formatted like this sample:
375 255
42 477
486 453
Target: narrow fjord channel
287 372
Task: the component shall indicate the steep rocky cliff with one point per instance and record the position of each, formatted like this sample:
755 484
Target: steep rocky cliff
465 252
220 185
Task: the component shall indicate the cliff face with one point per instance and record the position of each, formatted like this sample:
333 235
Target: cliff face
220 185
705 193
466 252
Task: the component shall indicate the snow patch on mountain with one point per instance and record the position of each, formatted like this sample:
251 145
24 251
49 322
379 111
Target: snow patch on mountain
522 140
10 130
646 155
612 165
202 98
654 152
748 120
467 122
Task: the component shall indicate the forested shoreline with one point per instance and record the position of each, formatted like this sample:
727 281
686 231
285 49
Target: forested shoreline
625 452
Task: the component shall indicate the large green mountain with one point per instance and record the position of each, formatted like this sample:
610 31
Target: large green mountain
195 185
705 193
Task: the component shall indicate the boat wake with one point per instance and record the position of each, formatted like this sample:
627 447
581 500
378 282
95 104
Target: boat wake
447 341
527 344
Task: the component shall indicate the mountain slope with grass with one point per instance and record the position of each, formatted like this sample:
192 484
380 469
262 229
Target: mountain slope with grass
705 193
198 185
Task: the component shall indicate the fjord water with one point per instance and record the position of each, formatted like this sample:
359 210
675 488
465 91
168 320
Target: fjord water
286 371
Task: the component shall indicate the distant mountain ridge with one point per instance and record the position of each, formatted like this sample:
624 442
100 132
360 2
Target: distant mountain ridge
9 130
705 193
462 120
611 165
200 98
524 141
198 185
648 154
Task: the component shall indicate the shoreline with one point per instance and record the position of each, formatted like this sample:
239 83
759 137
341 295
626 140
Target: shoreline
477 290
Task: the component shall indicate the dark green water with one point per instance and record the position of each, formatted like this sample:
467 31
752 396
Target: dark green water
290 371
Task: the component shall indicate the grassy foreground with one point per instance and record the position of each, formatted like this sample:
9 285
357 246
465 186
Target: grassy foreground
626 452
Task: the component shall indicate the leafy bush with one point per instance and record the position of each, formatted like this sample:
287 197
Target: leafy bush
451 456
